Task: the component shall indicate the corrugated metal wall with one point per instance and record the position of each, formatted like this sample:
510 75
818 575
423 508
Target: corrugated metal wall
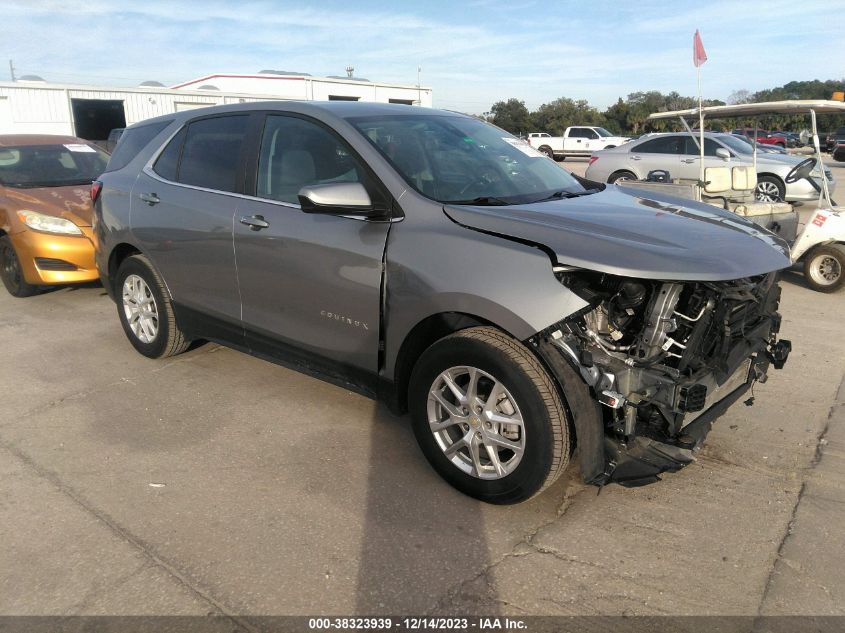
46 108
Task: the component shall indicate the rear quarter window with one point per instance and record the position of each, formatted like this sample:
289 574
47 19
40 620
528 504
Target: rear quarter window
132 141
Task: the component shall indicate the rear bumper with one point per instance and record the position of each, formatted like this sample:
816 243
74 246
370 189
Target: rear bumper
56 259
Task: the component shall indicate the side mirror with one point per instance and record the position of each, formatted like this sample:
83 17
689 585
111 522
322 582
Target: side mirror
338 198
722 153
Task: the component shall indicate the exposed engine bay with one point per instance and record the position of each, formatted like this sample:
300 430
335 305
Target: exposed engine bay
665 359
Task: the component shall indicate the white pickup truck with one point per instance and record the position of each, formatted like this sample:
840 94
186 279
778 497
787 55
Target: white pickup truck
577 140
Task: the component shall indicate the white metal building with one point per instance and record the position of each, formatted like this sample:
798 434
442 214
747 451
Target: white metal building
91 112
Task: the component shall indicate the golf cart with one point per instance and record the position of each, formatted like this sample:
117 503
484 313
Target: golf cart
820 245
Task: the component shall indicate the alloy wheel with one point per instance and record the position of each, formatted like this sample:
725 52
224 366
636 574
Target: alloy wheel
476 422
768 192
825 270
140 309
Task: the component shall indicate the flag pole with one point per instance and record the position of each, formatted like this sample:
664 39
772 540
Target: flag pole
698 58
700 131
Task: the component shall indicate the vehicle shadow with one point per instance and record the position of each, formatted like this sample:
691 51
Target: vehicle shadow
46 290
422 540
795 276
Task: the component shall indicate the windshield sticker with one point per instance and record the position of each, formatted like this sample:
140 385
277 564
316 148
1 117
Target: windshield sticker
79 147
523 147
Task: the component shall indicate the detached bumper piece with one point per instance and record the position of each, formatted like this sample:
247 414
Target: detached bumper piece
640 463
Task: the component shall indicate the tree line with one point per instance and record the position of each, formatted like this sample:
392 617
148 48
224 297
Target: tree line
628 116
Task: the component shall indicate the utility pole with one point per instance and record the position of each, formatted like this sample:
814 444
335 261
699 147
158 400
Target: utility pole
12 70
419 91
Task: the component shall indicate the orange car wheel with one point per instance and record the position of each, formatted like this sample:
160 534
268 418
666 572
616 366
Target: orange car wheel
11 272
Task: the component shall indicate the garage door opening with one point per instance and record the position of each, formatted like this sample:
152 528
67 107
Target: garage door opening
93 119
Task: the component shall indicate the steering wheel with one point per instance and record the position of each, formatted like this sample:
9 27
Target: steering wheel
801 171
487 178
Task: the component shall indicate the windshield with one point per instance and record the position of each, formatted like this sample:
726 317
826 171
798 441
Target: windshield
740 145
50 165
602 132
463 160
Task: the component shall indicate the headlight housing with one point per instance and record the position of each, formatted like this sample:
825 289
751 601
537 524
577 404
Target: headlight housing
48 223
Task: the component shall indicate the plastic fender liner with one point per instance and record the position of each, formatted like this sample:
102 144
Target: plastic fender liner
584 410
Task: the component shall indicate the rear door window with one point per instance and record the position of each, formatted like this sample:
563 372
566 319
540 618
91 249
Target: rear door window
660 145
211 154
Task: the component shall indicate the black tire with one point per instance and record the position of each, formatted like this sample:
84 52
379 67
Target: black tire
11 272
547 151
546 429
622 174
169 339
766 186
824 266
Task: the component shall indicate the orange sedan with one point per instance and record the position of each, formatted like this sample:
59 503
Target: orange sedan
46 211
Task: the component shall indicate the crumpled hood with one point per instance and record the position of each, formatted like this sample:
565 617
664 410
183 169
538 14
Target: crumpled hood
72 203
618 231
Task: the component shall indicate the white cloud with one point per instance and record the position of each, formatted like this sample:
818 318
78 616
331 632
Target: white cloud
483 51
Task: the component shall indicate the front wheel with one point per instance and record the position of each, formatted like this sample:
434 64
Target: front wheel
770 189
11 272
823 267
146 311
488 417
545 149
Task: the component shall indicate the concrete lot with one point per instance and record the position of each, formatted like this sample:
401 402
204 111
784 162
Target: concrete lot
219 483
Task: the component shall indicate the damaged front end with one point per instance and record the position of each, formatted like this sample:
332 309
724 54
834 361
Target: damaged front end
663 360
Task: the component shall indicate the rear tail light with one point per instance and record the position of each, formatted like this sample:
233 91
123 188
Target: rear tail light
592 160
96 188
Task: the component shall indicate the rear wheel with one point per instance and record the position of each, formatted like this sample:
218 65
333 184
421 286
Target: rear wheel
547 151
770 189
488 417
11 271
620 176
823 267
146 311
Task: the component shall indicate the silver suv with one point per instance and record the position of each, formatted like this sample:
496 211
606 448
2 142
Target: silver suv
678 154
440 264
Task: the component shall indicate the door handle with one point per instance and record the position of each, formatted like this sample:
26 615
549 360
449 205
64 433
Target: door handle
255 222
636 158
150 198
688 160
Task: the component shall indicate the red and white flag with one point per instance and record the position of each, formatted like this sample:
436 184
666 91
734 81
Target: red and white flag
698 54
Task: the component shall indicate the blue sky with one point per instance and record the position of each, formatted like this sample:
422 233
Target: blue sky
472 52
